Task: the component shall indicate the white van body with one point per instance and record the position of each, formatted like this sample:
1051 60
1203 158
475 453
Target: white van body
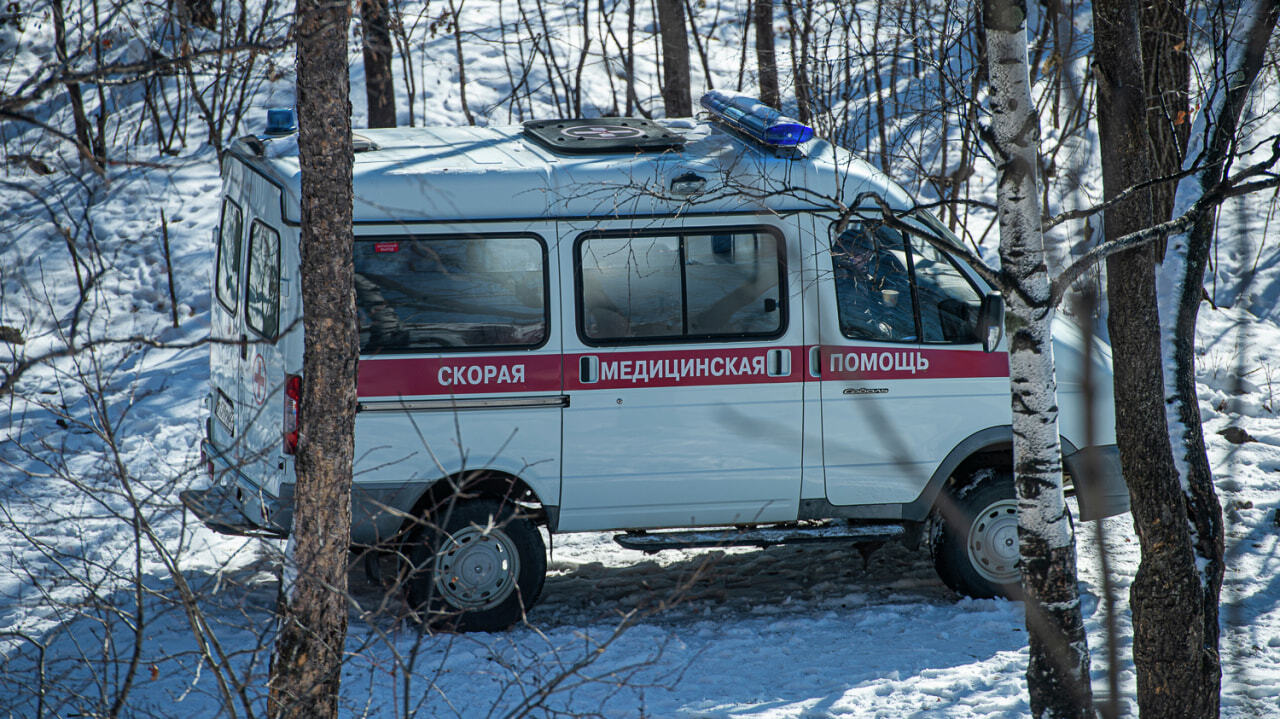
621 339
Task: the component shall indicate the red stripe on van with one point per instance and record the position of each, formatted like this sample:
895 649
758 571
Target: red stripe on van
682 368
618 369
411 377
910 362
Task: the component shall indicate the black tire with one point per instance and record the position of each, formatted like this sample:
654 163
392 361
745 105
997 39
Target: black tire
492 542
974 537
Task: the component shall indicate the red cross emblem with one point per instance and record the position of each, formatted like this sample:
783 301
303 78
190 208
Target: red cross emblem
602 132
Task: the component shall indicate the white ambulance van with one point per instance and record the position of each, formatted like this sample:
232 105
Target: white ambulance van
676 329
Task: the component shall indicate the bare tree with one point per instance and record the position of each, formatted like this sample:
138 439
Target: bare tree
306 669
90 146
1058 669
766 57
1166 590
380 91
1237 61
199 13
1166 78
675 58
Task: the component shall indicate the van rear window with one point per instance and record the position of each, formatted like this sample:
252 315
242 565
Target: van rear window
437 294
228 281
262 300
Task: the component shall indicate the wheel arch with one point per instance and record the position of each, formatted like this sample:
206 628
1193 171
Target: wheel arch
478 483
973 451
992 446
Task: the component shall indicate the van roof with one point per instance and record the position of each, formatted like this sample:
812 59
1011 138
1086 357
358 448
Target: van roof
455 174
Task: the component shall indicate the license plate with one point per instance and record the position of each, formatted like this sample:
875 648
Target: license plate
225 412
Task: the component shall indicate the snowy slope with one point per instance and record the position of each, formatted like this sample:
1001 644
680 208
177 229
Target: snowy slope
93 449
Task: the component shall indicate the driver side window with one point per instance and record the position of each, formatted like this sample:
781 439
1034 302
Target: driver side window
884 295
873 289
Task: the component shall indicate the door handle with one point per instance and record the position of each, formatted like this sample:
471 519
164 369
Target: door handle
815 361
779 363
588 369
244 347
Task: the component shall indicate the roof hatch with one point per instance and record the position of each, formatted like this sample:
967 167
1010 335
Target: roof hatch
602 135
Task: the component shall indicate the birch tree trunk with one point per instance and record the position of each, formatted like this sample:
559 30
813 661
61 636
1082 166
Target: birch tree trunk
306 667
675 58
1058 669
1166 590
1180 286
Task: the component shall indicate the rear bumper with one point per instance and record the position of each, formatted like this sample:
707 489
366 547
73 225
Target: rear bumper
221 513
235 504
1099 486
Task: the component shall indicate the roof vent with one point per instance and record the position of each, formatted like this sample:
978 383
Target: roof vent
360 143
602 136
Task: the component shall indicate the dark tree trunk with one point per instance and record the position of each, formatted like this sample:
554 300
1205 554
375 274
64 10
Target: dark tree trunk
1166 78
306 667
1058 667
766 57
1201 496
799 58
675 59
201 13
379 90
1166 591
84 132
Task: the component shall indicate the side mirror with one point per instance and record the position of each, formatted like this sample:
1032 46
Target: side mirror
991 321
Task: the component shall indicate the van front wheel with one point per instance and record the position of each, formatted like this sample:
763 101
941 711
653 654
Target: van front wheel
478 567
974 539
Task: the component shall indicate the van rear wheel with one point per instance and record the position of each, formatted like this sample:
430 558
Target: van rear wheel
974 540
478 567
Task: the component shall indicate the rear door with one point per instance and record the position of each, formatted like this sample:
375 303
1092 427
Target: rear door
224 331
684 374
260 407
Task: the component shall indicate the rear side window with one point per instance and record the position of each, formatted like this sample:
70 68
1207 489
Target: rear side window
262 299
227 284
434 294
722 285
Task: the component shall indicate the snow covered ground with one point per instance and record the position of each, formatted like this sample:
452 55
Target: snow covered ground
94 447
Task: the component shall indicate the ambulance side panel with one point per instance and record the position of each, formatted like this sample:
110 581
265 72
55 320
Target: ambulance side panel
683 366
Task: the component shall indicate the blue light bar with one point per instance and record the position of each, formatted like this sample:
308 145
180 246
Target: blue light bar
756 119
281 121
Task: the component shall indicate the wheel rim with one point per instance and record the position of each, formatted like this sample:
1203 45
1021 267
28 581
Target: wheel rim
477 569
993 542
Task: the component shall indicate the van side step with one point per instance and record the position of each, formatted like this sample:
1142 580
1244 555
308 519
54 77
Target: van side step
791 533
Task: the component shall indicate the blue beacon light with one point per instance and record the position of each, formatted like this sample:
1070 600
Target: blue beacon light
281 121
756 119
